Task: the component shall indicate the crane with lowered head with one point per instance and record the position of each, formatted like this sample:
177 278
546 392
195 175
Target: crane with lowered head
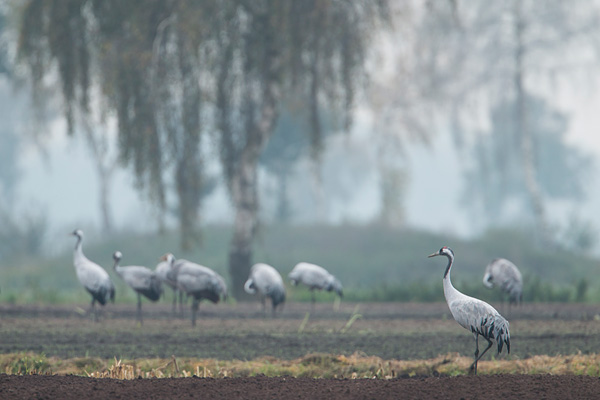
504 274
316 278
267 281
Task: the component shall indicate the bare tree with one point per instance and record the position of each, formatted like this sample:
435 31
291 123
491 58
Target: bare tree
470 57
172 71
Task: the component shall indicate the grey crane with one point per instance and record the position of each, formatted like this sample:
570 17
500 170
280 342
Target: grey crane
92 276
315 277
267 281
167 275
504 274
473 314
197 281
141 279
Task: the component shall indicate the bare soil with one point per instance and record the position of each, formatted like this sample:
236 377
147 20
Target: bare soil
460 387
242 331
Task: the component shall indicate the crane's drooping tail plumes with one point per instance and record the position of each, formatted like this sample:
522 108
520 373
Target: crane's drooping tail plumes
277 295
154 289
103 294
333 284
473 314
496 328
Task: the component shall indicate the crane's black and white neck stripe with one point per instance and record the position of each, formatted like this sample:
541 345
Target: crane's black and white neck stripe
78 233
446 251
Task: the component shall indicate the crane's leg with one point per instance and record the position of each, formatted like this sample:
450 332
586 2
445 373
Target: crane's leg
195 304
477 355
139 309
174 308
93 309
181 302
490 343
313 298
473 368
263 301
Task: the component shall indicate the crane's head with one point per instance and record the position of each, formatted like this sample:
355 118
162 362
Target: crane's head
117 256
169 258
488 280
78 233
444 251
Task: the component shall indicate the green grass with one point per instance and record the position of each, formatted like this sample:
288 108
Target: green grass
374 263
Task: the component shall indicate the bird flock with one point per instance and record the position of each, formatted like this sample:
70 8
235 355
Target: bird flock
188 279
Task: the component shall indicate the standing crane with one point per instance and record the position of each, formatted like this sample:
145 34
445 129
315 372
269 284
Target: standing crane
167 276
141 279
268 282
197 281
473 314
507 277
315 277
92 276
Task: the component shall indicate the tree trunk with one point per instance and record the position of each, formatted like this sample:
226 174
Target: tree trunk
244 190
283 205
524 134
245 196
105 176
260 115
189 163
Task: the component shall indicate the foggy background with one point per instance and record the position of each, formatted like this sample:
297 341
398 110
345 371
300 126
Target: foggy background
432 145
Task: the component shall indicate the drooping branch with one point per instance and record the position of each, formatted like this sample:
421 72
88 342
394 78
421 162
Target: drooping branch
145 57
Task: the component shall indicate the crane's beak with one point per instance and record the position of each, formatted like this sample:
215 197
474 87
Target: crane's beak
433 255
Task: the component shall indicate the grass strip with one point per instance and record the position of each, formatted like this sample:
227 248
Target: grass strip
356 366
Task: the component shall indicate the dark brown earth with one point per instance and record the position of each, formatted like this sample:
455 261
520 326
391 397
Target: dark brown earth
242 331
462 387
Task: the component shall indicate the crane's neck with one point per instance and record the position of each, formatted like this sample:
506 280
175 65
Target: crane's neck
117 267
449 290
78 252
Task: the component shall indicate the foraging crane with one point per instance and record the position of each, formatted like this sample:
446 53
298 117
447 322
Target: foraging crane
473 314
268 282
167 275
315 277
506 275
141 279
197 281
92 276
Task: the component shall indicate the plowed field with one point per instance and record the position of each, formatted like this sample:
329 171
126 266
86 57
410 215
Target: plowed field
225 332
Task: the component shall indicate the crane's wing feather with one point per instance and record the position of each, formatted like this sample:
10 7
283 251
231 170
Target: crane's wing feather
481 318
